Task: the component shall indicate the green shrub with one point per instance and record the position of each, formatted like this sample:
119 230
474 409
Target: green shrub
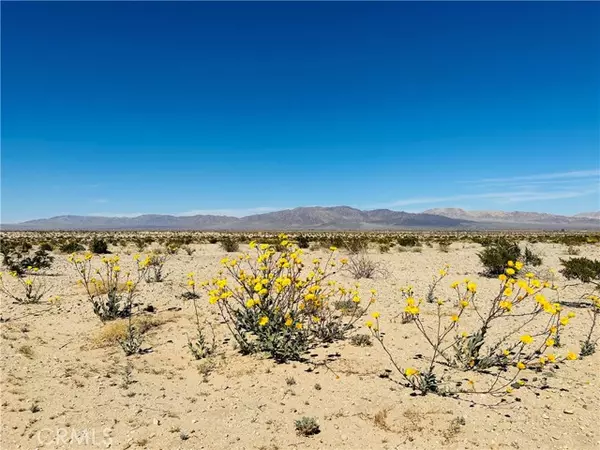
71 247
99 246
307 426
46 246
408 241
495 257
582 269
303 241
531 259
17 257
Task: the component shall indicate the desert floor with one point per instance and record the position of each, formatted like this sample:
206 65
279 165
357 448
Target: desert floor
64 386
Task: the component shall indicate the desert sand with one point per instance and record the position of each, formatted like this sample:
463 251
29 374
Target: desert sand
64 386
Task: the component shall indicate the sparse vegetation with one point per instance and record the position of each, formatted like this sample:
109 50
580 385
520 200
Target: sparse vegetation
307 426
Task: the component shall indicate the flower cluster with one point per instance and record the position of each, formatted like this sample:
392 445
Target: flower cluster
110 289
33 288
274 301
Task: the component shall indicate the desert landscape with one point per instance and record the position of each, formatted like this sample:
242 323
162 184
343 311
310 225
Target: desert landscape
141 379
299 225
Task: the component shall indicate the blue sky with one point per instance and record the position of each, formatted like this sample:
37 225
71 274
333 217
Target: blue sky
236 108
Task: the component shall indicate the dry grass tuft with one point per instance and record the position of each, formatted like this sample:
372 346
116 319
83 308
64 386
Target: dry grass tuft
111 333
380 420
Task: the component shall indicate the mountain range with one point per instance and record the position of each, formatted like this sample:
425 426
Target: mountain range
323 218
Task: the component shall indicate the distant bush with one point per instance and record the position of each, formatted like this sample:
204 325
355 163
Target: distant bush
46 246
229 244
495 257
71 247
99 246
360 265
303 241
408 241
530 258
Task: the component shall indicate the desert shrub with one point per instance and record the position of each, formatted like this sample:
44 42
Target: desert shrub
17 257
98 246
155 272
501 355
360 265
24 290
530 258
356 244
408 241
347 307
71 247
494 256
303 241
307 426
444 246
273 307
213 240
188 250
384 248
582 269
46 246
572 250
108 299
230 244
133 340
361 340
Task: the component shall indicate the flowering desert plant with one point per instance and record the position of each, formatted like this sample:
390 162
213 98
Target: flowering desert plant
32 289
272 303
530 324
199 347
156 267
109 290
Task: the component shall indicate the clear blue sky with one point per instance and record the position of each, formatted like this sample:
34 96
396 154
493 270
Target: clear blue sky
146 107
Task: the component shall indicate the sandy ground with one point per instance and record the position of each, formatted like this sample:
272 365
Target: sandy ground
61 390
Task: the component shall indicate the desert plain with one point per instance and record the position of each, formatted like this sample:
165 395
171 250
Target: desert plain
66 383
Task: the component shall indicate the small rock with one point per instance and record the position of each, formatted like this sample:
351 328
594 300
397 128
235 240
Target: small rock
569 411
156 421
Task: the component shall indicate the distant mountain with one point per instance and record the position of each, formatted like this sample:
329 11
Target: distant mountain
589 215
518 217
320 218
313 218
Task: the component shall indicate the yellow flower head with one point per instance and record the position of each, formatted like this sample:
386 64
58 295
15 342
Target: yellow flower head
518 265
571 356
409 372
472 287
454 318
375 315
263 321
510 271
369 324
526 339
550 342
521 366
